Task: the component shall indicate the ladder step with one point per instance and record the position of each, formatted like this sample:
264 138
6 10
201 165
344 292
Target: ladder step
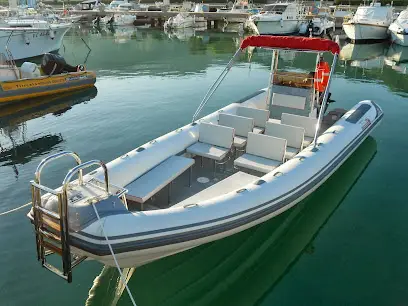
47 212
52 247
50 235
51 223
54 270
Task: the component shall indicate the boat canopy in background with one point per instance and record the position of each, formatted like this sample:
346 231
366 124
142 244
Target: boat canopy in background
291 42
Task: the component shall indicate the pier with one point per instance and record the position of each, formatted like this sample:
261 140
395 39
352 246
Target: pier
158 17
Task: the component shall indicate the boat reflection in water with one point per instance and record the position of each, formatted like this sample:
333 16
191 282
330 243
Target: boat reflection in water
15 148
366 56
397 58
240 269
184 34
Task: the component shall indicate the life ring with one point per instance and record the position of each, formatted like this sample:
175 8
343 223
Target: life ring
322 76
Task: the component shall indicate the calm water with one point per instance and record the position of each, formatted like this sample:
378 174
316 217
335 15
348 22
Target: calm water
344 245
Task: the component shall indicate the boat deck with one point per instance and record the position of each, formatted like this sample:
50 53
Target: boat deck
203 177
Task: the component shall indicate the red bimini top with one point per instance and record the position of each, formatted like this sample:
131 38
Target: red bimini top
291 42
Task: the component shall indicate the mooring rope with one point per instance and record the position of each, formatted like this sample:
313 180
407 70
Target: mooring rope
14 209
114 257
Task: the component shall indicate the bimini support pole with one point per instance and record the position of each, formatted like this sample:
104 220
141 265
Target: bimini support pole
274 67
324 102
215 85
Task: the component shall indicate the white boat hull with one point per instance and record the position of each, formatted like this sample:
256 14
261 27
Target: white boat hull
277 27
399 38
399 33
141 237
357 31
32 42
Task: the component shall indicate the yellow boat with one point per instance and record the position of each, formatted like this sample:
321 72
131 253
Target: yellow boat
53 76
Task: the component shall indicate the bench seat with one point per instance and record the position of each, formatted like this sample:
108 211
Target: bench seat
263 153
150 183
214 142
208 151
257 163
308 123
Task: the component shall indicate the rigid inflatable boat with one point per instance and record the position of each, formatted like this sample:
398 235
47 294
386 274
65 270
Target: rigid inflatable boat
217 176
53 76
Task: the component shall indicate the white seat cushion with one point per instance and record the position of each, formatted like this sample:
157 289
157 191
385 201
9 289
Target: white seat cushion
291 152
256 163
266 146
258 130
260 116
143 188
241 125
240 142
308 123
307 141
294 135
207 150
296 102
216 135
274 120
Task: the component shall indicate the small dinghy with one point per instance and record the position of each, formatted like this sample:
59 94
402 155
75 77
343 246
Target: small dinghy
217 176
52 77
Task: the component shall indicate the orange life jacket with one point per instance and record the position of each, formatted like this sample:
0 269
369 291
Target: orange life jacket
322 76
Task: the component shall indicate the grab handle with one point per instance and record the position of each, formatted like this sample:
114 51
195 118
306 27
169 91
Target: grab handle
55 156
85 165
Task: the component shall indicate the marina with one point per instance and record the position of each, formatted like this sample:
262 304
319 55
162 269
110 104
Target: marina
201 158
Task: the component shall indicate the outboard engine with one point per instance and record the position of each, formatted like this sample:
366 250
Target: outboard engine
55 64
310 28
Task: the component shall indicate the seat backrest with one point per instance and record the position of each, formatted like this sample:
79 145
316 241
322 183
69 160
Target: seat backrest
294 135
241 125
308 123
290 101
216 135
266 146
260 116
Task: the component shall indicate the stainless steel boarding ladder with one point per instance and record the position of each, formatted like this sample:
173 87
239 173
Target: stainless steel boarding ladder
51 228
11 61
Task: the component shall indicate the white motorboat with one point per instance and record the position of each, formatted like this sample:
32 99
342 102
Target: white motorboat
234 168
339 12
186 20
399 29
29 37
122 5
369 22
317 26
118 20
241 7
279 18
